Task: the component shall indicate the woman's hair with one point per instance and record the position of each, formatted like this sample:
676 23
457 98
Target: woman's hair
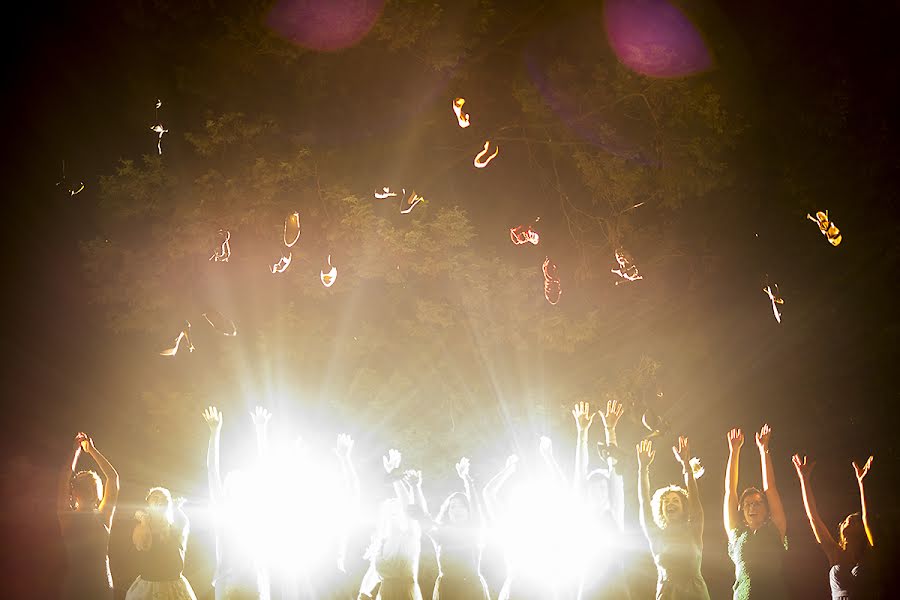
842 542
169 512
87 485
749 491
656 503
445 507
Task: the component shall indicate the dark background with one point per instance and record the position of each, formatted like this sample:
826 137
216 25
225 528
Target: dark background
815 83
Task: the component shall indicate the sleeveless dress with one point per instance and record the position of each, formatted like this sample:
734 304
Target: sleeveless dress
844 582
678 551
86 538
399 572
758 562
161 567
603 577
458 553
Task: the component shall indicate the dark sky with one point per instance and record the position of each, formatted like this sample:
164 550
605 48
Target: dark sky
817 83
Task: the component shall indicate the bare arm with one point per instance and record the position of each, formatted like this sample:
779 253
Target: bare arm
546 449
348 471
776 508
64 486
583 419
493 486
213 419
819 529
860 475
695 507
645 456
731 516
260 417
142 535
110 489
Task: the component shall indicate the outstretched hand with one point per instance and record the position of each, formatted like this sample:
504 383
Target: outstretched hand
645 453
614 411
735 439
413 477
84 441
546 447
682 452
762 438
583 416
804 467
861 473
343 446
213 418
391 461
260 416
512 461
462 468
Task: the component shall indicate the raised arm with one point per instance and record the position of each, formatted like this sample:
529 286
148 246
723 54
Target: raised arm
610 418
776 508
343 448
860 475
413 480
583 419
695 506
64 487
111 485
260 417
464 471
731 515
391 462
645 456
546 450
614 412
213 419
493 486
819 528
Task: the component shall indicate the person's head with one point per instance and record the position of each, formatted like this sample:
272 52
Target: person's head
669 506
87 490
159 501
852 533
598 493
454 510
754 507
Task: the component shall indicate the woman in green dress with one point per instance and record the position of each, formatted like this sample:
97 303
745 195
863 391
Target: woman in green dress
673 524
756 525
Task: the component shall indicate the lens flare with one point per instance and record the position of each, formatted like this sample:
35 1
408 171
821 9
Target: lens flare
325 25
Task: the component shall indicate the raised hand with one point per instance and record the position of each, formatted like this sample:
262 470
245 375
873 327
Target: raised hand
213 418
762 438
735 440
645 453
804 468
546 447
614 411
682 452
84 441
860 473
462 468
583 416
343 446
391 461
413 477
512 462
260 416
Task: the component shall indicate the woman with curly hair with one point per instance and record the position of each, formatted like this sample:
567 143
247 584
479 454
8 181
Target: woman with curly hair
756 525
161 538
85 509
844 556
673 524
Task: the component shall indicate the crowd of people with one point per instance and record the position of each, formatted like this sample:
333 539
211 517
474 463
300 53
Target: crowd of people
258 550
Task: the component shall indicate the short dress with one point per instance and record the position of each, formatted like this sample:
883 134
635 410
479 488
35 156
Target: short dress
758 558
161 567
678 552
458 552
86 539
399 573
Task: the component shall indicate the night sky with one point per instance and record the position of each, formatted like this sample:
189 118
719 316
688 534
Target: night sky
436 337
